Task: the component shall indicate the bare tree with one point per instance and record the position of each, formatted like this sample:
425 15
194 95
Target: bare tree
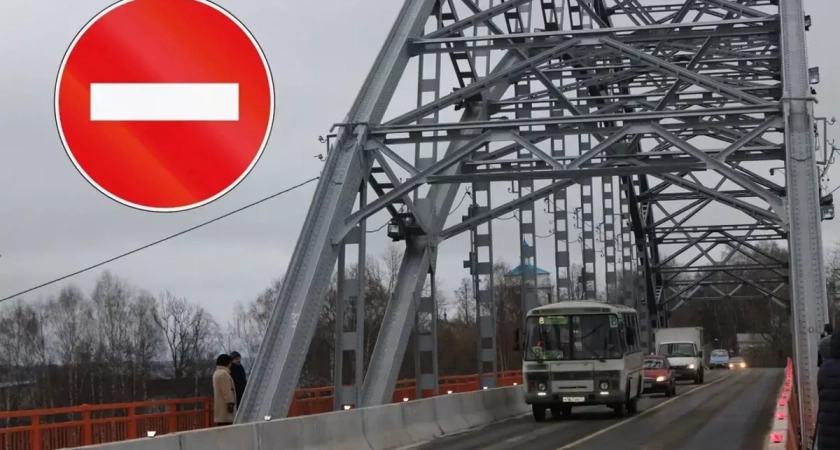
832 272
74 339
392 259
260 310
189 333
577 288
465 302
111 305
146 342
21 348
242 332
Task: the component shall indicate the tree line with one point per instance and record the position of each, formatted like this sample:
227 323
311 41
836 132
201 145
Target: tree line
121 343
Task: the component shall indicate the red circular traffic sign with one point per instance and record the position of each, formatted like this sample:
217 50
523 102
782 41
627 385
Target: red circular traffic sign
164 105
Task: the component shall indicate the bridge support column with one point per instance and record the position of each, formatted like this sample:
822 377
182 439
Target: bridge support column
807 281
350 328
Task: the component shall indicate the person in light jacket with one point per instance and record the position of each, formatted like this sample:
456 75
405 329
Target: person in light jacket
224 392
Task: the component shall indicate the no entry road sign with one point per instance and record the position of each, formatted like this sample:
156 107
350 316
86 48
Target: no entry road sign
164 105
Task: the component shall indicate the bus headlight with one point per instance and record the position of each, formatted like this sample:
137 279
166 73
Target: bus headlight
660 379
690 366
542 387
605 385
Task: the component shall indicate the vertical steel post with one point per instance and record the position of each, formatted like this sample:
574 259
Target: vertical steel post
807 282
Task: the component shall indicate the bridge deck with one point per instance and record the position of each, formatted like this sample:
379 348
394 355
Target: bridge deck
731 411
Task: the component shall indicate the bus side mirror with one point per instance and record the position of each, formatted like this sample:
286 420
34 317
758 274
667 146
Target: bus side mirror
517 339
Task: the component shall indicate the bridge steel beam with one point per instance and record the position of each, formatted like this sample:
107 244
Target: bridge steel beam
293 320
696 95
809 302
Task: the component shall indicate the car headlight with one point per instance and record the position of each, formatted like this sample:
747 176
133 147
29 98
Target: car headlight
604 385
541 386
691 366
743 365
731 366
660 379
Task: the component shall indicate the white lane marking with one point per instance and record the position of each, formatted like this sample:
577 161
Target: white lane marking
641 414
164 102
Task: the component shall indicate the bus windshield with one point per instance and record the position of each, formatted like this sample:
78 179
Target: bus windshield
583 337
678 350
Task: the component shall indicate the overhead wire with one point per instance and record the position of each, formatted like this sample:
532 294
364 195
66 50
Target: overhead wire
159 241
464 197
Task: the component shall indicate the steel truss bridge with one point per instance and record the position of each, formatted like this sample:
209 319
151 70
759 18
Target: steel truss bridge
609 111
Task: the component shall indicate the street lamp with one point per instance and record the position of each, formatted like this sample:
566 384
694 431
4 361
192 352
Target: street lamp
814 75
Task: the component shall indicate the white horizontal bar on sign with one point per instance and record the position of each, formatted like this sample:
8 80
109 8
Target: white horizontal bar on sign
164 102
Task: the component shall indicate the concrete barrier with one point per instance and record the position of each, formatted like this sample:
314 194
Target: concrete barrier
495 404
420 420
449 414
473 410
295 433
779 429
336 431
386 427
166 442
221 438
515 399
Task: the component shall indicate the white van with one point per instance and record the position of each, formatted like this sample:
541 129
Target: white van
684 349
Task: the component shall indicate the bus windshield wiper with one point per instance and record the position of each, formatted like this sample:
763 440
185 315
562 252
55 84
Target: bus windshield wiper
595 354
589 349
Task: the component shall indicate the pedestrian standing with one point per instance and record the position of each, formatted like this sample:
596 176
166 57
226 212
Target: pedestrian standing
240 379
224 392
824 346
828 390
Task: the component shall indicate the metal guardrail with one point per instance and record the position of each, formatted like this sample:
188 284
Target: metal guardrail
786 431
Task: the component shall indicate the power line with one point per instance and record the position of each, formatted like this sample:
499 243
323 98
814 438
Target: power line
159 241
464 197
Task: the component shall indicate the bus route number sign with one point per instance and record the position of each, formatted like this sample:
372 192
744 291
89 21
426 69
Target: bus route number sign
554 320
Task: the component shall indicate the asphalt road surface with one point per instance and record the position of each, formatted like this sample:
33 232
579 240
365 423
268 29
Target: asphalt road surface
731 411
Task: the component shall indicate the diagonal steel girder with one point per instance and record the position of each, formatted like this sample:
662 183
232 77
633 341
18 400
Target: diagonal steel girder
503 76
685 74
723 169
420 255
740 205
294 317
403 189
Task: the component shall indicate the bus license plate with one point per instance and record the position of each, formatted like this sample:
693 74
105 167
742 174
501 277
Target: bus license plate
574 399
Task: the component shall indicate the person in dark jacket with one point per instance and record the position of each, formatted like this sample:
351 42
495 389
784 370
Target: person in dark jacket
239 377
828 389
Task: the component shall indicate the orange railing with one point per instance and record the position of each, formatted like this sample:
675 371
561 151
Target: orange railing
49 429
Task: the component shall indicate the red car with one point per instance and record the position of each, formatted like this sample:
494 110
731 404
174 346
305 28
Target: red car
659 376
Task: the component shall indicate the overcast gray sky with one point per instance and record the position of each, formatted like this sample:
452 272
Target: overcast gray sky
53 222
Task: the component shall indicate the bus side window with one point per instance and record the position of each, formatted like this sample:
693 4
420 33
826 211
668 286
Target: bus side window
622 332
638 333
632 333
